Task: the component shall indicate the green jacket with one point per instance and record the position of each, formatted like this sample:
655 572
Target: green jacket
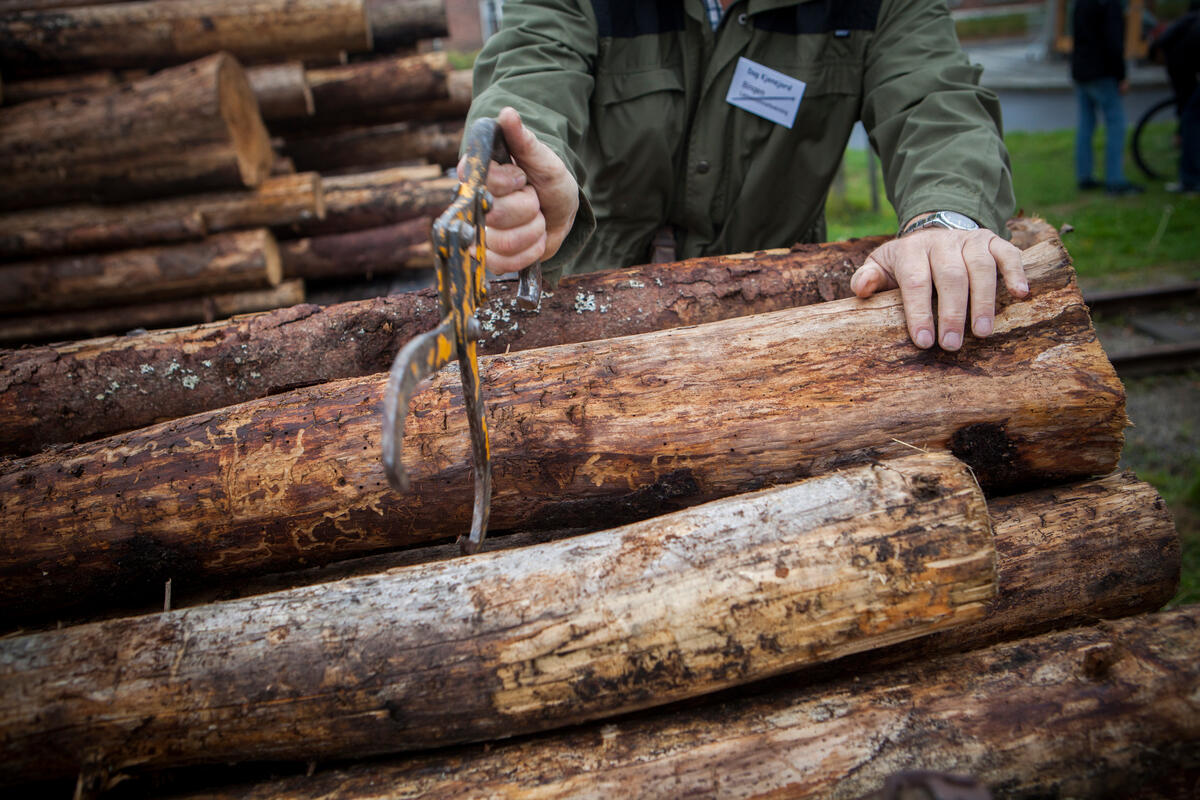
631 95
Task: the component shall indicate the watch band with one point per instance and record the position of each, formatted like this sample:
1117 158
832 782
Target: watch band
951 220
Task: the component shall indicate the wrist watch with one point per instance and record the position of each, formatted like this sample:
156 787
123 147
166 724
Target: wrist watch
942 219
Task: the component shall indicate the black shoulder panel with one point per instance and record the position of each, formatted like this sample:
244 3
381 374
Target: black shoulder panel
624 19
820 16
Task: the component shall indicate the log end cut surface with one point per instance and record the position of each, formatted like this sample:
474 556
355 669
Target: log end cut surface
239 110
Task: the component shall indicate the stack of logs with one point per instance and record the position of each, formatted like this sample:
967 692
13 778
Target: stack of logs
164 163
841 561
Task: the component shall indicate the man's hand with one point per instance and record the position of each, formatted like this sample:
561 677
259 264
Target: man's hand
960 265
536 200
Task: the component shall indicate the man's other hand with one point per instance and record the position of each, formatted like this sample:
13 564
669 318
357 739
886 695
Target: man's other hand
536 200
960 266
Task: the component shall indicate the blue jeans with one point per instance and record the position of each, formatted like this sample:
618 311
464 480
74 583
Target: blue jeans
1103 95
1189 130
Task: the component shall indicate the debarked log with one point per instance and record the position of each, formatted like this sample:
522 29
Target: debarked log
603 431
134 321
1102 711
377 145
380 197
187 128
516 641
356 254
220 263
381 82
47 393
158 32
282 90
1065 556
87 227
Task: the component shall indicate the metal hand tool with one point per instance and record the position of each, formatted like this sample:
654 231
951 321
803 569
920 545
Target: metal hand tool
460 253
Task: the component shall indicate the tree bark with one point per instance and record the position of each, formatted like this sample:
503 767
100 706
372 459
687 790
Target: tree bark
89 228
48 392
192 127
162 32
1066 556
23 91
137 319
282 90
1091 712
377 146
381 82
378 198
221 263
399 23
520 641
357 254
596 431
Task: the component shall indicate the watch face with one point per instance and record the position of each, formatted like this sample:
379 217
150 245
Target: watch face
957 221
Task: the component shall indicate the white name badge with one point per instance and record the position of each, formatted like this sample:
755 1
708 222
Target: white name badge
765 92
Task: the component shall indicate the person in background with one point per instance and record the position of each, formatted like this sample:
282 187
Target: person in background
1179 49
1098 69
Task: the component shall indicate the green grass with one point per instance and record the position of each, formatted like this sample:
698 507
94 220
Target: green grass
993 26
1145 240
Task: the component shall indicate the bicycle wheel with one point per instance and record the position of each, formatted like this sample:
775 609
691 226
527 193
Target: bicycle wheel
1155 142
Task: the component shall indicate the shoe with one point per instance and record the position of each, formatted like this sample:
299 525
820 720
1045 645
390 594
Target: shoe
1179 188
1124 188
1089 185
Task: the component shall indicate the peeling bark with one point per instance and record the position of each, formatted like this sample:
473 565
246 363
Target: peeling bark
512 642
1104 711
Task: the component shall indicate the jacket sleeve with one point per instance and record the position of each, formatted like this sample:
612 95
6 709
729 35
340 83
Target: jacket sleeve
540 62
936 130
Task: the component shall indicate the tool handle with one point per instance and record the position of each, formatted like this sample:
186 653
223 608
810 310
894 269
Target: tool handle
529 285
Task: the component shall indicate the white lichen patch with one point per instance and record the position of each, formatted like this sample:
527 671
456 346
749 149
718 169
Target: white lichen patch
496 318
190 381
206 363
172 368
636 284
147 369
584 302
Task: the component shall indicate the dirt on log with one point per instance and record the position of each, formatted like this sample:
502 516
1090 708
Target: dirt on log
513 642
1102 711
47 393
613 430
188 128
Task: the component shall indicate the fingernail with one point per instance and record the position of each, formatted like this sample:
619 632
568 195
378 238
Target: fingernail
983 326
924 338
855 280
951 341
1023 287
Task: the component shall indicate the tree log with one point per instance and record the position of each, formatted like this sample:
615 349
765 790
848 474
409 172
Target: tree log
191 127
221 263
378 198
1065 556
382 82
601 430
519 641
162 32
452 107
377 145
138 318
282 90
376 251
47 393
37 88
88 228
397 24
1089 712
